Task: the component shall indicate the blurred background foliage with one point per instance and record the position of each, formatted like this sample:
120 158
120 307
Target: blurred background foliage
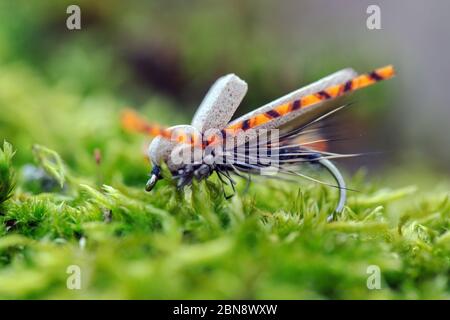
64 90
150 54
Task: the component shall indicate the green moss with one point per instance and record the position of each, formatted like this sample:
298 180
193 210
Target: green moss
69 208
7 176
196 244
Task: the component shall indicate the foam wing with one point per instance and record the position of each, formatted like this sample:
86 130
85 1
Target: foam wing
220 103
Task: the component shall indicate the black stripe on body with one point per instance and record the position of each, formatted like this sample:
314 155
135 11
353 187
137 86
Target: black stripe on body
375 76
246 124
323 95
272 114
296 105
348 86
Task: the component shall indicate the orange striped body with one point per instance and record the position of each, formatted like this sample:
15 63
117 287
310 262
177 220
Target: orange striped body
133 122
332 92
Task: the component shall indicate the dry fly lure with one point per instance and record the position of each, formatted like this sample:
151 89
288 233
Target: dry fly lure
276 136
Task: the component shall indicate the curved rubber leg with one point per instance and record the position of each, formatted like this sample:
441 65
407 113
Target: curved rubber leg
340 183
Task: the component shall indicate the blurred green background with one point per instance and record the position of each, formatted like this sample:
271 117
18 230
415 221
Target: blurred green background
162 57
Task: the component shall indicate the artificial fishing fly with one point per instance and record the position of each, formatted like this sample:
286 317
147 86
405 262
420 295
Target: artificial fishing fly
277 136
